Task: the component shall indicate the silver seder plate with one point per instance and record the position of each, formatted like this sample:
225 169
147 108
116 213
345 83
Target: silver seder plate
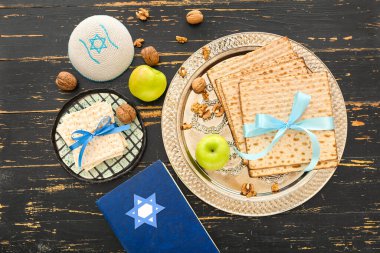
221 189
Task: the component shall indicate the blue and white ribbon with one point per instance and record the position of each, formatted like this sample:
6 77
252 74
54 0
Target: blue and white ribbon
104 128
265 123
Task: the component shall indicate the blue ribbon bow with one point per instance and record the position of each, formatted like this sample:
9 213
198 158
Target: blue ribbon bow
265 123
104 128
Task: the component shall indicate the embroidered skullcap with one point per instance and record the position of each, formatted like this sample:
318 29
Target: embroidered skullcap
100 48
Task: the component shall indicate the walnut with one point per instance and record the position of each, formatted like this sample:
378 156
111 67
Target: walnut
194 17
138 42
206 52
182 71
142 14
275 187
199 109
205 95
198 85
206 115
150 56
186 126
251 194
218 110
247 190
126 113
181 39
66 81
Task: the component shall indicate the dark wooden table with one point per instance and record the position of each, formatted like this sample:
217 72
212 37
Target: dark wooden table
44 209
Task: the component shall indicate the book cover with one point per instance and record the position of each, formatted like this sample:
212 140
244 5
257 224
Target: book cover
149 213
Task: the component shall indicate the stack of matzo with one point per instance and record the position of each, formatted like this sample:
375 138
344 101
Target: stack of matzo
101 148
265 81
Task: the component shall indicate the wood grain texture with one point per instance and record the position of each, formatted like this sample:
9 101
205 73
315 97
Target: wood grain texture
43 209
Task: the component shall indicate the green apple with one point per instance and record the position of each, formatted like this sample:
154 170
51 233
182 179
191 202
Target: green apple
212 152
147 83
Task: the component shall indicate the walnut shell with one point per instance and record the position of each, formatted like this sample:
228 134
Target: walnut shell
206 115
150 56
248 190
182 71
194 17
205 95
126 113
218 110
181 39
275 187
138 42
206 52
66 81
198 85
142 14
186 126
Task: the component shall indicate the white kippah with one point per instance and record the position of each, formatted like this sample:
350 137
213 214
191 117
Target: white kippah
101 48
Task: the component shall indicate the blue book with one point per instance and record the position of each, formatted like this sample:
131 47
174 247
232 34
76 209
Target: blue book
149 213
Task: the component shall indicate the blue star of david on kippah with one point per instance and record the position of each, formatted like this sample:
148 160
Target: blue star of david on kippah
145 210
96 46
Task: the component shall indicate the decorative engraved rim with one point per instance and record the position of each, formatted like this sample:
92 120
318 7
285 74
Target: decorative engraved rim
283 201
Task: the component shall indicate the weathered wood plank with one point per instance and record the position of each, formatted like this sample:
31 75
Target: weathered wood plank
34 87
43 210
21 148
55 24
42 189
266 234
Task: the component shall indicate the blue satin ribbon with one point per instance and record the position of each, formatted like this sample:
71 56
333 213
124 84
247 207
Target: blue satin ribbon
265 123
104 128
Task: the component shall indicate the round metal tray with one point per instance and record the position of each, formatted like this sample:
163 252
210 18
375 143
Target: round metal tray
111 168
221 189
